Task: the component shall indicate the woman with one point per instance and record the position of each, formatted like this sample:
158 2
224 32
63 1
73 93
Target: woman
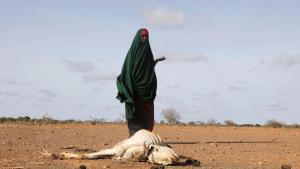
137 84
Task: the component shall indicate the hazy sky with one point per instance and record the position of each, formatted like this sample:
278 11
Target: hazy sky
237 60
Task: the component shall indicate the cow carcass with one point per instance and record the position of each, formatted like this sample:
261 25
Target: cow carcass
142 146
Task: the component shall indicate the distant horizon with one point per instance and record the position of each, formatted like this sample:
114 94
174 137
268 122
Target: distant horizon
226 60
162 121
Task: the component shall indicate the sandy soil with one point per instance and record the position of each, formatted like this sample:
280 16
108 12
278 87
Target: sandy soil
236 147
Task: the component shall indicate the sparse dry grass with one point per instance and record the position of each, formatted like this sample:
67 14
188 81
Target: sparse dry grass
94 121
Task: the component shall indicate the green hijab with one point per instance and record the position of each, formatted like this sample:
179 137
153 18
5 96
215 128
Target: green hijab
138 76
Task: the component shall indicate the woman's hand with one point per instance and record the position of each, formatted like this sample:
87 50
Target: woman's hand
160 59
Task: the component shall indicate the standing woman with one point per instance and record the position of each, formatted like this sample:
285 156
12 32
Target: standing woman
137 84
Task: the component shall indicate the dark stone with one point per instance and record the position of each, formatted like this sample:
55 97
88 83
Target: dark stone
55 157
286 167
82 167
158 167
192 162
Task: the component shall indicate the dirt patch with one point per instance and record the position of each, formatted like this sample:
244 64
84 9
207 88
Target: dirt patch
214 147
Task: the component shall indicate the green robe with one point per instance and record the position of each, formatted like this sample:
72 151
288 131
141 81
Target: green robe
138 76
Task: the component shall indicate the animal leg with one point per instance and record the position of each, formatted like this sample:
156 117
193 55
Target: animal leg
107 153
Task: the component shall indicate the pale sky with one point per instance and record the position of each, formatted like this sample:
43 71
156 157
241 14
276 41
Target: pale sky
236 60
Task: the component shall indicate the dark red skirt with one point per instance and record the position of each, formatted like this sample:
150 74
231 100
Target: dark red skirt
143 117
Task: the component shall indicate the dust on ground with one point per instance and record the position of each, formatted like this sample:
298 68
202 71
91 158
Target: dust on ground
214 147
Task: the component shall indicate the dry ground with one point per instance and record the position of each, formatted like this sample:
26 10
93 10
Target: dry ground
236 147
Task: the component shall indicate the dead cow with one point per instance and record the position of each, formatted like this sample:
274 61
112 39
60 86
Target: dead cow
142 146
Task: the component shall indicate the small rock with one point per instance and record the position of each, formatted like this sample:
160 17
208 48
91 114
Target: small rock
285 166
82 167
158 167
166 138
106 166
8 142
212 159
7 161
192 162
202 148
213 144
295 155
260 163
17 167
54 157
104 144
274 138
36 163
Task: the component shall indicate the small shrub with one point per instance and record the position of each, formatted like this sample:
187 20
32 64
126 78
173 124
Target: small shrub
294 126
246 125
200 123
274 124
95 121
257 125
171 116
212 122
192 123
229 123
23 119
69 121
2 119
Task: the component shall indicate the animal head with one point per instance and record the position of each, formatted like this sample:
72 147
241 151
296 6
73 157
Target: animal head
158 154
